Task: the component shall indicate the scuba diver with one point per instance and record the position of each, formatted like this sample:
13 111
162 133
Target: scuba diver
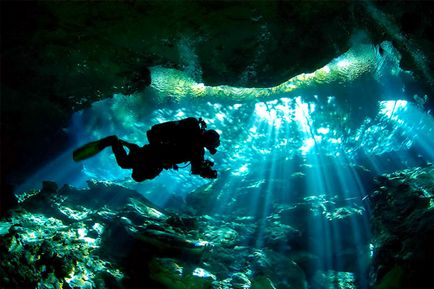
170 144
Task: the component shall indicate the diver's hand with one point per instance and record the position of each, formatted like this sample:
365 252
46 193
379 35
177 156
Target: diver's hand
208 173
204 169
207 164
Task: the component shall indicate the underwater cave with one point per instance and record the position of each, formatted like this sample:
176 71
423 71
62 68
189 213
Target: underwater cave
325 177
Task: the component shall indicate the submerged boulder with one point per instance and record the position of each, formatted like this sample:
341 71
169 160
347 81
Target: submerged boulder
57 236
403 228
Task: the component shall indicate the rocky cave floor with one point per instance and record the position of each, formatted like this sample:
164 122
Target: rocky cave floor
108 236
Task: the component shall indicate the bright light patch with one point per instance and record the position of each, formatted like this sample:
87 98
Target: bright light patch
98 227
153 212
74 214
82 235
271 112
388 108
82 232
335 140
284 108
273 115
217 106
202 243
199 88
344 63
180 114
220 116
261 110
302 114
202 273
243 170
278 123
323 130
307 145
236 106
264 151
4 228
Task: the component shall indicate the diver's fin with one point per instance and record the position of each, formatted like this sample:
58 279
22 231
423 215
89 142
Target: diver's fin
86 151
92 148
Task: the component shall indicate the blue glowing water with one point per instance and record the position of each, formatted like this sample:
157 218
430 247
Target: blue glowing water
321 146
254 138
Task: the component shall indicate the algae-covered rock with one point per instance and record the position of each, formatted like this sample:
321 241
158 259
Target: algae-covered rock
332 279
262 282
176 276
240 280
76 238
79 238
403 228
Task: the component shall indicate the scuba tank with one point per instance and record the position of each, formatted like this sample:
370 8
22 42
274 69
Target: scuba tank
173 132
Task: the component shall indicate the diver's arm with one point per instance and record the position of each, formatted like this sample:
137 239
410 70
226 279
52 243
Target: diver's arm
197 162
202 167
206 170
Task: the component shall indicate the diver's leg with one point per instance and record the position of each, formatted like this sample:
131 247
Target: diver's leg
90 149
145 173
121 155
146 163
107 141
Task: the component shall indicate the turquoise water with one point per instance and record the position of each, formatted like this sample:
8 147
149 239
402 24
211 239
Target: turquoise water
319 145
357 120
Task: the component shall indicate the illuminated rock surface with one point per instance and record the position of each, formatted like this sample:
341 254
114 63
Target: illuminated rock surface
107 236
403 228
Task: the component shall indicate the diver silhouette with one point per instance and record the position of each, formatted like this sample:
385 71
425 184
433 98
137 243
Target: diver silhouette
170 144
